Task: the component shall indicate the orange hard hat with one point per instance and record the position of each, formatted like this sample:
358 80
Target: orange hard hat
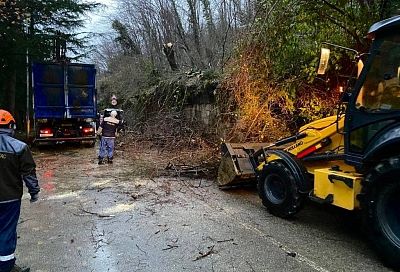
6 117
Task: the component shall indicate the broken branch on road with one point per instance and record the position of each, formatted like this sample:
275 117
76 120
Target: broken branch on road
203 255
226 240
170 247
184 169
97 214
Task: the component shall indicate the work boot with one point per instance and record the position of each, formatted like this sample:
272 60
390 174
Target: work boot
16 268
110 160
100 161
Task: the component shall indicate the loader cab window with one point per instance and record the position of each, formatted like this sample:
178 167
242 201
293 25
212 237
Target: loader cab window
379 94
381 89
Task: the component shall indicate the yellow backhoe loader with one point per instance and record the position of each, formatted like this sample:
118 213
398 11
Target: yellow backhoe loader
350 160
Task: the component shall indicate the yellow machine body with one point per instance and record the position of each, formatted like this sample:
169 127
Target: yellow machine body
352 166
316 131
338 187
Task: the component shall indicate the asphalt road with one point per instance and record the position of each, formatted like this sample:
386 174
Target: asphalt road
109 218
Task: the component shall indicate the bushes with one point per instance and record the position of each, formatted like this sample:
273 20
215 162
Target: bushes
271 87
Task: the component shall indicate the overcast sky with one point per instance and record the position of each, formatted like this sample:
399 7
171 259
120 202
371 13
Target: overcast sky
99 21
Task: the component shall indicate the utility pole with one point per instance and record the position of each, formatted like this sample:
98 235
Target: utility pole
27 117
28 123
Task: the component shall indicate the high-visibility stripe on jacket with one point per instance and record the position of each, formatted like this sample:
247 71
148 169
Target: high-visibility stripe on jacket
9 215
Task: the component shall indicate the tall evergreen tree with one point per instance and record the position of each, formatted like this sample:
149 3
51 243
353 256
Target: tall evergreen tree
35 26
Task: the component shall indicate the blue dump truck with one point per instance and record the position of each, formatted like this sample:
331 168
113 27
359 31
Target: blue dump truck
64 103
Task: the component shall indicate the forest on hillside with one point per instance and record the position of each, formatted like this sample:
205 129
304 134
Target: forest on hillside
260 55
263 53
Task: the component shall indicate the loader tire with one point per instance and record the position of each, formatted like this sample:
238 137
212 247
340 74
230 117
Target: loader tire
279 190
380 204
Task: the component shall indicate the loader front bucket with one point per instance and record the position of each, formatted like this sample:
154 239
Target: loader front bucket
235 166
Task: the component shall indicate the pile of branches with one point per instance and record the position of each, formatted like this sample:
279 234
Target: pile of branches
168 131
172 94
182 147
161 119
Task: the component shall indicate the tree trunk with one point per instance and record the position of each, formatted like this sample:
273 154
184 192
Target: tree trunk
208 16
10 88
195 29
170 54
181 32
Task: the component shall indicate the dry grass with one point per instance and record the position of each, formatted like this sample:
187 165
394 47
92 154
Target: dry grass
261 109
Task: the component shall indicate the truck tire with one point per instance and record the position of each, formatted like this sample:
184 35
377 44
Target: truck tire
279 190
380 204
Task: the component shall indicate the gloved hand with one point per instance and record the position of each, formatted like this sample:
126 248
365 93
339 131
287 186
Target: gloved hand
34 197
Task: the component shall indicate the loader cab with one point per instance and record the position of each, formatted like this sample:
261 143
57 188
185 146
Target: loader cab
372 128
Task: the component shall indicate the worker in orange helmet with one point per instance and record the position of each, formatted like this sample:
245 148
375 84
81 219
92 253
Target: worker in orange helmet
16 166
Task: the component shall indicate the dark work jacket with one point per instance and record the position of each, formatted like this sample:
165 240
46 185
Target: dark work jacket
16 166
109 127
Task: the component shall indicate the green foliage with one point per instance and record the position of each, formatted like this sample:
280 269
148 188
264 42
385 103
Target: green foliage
299 27
50 20
170 95
273 77
42 22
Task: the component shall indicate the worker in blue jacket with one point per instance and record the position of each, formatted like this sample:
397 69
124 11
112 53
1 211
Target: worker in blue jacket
16 166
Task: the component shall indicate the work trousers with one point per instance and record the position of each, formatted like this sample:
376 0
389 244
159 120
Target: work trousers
9 215
106 148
